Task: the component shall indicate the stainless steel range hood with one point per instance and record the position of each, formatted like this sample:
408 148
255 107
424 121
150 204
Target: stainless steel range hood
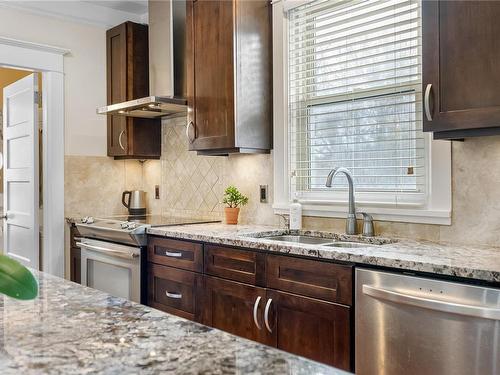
167 65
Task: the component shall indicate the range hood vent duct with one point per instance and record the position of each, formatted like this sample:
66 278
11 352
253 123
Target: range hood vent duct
167 65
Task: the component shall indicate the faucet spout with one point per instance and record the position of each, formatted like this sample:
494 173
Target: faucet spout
331 176
351 217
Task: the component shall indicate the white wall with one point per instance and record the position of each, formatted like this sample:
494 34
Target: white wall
85 73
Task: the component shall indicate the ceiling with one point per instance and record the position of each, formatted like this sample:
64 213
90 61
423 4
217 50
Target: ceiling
138 7
104 13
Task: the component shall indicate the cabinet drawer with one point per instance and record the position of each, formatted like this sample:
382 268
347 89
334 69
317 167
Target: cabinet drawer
175 253
174 291
312 278
240 265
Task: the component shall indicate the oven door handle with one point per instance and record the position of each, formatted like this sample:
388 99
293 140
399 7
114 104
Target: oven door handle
116 253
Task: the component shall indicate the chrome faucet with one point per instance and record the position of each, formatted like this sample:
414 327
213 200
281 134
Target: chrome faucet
350 227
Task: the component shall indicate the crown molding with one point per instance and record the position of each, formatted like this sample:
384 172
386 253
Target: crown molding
34 46
76 11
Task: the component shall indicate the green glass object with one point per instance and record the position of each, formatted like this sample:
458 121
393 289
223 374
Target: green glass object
16 281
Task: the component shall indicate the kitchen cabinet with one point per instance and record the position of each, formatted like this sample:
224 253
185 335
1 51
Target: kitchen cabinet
75 273
302 306
229 76
235 307
174 291
310 327
127 79
461 74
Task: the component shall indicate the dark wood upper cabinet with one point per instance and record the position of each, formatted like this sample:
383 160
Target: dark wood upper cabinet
128 79
229 76
461 68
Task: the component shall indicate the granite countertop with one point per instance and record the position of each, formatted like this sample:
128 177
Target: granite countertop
476 262
72 329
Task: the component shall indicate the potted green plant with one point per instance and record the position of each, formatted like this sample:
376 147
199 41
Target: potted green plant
16 281
234 200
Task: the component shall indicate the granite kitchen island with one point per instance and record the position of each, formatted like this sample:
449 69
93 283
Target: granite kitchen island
70 329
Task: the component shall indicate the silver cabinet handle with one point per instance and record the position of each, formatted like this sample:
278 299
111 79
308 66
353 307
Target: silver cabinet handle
117 253
120 140
173 295
190 132
173 255
432 304
255 310
427 107
266 315
4 217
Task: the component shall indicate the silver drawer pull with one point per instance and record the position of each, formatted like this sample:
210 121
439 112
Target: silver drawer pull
173 295
173 255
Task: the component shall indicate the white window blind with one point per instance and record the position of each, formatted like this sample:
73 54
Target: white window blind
354 96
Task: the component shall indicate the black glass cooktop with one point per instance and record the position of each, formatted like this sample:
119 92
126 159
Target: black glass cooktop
160 220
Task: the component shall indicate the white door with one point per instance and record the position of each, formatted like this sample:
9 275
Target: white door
20 145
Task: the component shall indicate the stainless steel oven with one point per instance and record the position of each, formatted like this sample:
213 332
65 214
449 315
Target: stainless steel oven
111 267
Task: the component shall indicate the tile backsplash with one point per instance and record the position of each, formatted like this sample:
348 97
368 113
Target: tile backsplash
192 185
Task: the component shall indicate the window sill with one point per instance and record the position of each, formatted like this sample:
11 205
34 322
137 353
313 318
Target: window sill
404 215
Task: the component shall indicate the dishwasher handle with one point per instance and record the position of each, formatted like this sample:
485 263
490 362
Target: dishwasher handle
431 303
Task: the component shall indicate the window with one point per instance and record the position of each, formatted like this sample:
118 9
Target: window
354 99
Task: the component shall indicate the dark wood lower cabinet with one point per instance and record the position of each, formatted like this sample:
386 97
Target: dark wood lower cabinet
75 273
174 291
311 328
229 306
301 307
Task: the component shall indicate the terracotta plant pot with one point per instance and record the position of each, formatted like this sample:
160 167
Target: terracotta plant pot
231 214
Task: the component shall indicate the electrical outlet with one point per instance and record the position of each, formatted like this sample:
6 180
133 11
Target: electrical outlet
263 193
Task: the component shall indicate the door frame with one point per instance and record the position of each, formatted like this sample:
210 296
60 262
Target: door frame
49 61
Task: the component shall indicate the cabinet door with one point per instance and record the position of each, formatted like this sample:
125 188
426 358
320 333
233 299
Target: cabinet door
230 306
75 273
210 74
461 74
174 291
311 328
116 57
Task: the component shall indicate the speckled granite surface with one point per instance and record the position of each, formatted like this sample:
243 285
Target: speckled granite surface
481 263
70 329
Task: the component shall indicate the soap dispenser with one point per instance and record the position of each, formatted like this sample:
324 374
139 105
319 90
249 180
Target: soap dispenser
295 215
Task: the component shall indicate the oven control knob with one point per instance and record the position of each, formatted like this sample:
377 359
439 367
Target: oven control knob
132 226
124 225
90 220
84 219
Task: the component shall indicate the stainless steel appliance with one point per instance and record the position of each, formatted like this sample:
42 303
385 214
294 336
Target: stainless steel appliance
135 201
167 65
113 252
112 268
413 325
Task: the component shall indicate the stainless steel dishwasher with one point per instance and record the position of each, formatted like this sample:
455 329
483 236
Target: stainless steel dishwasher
413 325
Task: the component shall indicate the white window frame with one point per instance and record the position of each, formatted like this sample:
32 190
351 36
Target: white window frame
438 204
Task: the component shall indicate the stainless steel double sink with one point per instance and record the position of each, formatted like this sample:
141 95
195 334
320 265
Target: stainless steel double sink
312 240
